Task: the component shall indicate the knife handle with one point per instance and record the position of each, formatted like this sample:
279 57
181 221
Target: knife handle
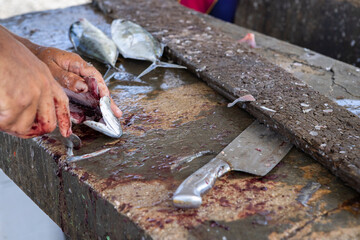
188 194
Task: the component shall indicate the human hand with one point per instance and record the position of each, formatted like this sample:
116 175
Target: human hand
69 69
31 100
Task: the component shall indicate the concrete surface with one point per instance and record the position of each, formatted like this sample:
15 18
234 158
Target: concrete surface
330 27
170 115
332 78
283 102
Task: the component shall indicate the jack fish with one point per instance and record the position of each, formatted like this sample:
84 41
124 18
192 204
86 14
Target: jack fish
90 41
95 112
135 42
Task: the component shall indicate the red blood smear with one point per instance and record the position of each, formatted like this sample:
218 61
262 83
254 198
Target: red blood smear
85 106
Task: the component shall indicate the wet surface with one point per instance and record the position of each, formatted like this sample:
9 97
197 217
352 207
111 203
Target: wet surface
280 96
170 115
164 109
165 119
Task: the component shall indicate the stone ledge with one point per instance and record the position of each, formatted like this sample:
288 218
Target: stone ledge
109 197
233 68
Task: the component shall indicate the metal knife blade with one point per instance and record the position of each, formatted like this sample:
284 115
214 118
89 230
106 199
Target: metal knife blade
256 150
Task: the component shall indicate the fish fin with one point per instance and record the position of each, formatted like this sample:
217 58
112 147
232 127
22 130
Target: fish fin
117 68
159 64
107 71
107 79
162 45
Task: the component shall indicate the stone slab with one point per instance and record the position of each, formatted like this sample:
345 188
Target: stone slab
281 97
330 27
170 115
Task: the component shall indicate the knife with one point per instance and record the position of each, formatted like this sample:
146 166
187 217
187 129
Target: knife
256 150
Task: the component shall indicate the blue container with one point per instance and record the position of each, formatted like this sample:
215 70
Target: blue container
225 10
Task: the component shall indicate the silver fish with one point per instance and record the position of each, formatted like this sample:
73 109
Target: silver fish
90 41
74 142
135 42
111 126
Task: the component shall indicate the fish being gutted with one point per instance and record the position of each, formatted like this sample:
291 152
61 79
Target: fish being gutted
90 41
95 112
109 124
135 42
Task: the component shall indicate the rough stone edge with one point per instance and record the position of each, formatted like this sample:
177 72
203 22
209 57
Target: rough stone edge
342 167
307 24
70 203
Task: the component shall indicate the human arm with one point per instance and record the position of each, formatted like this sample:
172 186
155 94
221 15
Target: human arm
32 102
69 69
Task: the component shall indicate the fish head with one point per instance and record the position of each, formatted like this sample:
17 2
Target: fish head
109 118
90 41
109 124
76 31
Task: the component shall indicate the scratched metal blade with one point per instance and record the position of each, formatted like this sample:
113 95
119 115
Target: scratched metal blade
256 150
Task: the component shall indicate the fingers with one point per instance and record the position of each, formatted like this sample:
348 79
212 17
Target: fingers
115 109
18 114
45 120
53 108
19 123
61 104
36 119
87 70
70 70
39 117
67 79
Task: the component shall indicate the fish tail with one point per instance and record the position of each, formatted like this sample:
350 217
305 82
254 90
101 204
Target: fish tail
169 65
107 78
110 73
149 69
159 64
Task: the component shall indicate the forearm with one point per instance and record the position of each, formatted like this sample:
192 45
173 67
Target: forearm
7 44
34 48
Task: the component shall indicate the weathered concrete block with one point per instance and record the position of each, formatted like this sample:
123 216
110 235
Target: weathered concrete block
234 70
330 27
126 194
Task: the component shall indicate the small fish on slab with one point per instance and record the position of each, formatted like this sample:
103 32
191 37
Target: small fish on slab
74 142
134 42
90 41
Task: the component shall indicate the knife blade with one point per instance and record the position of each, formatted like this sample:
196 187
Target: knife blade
256 150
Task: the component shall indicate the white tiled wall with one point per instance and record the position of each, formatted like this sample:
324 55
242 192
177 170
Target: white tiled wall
21 218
